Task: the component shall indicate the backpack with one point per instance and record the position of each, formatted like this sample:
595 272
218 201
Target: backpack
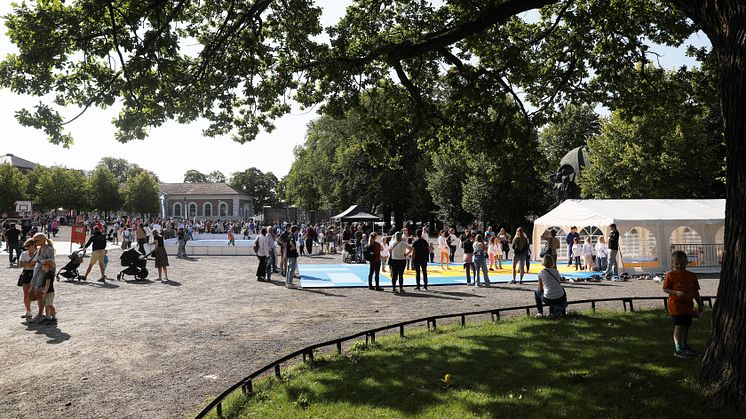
369 253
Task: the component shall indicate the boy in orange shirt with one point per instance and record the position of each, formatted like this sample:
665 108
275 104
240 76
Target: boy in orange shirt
682 288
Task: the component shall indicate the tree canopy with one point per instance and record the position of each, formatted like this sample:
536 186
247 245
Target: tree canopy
12 187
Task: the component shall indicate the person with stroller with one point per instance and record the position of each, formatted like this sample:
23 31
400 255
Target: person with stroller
98 240
161 257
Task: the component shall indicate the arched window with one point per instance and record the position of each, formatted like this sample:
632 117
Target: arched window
639 248
192 210
177 210
223 211
207 209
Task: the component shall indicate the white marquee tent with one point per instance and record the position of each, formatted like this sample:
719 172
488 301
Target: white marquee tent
658 218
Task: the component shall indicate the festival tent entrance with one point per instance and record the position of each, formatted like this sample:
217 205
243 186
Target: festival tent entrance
650 229
355 214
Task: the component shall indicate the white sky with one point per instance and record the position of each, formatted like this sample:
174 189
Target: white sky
173 148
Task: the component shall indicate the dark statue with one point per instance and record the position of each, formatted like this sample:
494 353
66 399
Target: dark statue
565 180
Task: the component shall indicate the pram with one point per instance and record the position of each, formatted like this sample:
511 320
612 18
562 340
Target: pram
70 270
350 253
135 263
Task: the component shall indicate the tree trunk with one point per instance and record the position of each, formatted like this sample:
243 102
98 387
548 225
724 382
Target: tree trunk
386 219
723 368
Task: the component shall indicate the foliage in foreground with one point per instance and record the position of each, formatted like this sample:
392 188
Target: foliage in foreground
607 364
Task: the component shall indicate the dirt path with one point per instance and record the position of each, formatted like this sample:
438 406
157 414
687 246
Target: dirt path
157 350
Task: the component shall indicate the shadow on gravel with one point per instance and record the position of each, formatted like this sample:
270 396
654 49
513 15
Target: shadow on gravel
512 288
53 332
109 285
426 295
138 281
458 294
172 283
325 294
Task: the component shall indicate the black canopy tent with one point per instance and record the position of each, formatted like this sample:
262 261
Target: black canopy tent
355 214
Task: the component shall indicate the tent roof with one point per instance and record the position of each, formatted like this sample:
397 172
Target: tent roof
355 213
602 212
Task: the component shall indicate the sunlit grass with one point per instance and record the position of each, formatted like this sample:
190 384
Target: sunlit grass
605 365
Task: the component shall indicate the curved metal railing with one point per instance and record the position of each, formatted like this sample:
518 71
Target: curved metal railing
246 384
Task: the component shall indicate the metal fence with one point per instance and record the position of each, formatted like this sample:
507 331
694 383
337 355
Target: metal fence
246 384
702 255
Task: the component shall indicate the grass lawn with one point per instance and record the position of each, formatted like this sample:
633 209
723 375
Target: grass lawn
603 365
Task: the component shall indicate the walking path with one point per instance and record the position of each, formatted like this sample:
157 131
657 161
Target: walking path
161 350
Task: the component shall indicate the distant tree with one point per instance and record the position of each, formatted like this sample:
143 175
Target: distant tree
570 128
12 187
216 176
194 176
59 187
141 194
671 145
32 179
119 167
261 186
103 190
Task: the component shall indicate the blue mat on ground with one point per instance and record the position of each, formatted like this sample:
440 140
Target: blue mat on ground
356 275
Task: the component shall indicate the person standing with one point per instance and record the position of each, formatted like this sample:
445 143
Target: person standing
420 253
577 249
587 254
261 247
520 253
42 282
374 251
492 251
181 240
98 240
271 257
142 238
291 252
480 261
468 246
161 257
682 288
27 261
504 239
452 243
602 251
570 240
613 251
443 249
398 261
553 244
385 253
13 242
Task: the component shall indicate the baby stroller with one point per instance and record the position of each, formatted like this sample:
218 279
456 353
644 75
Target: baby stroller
70 270
135 263
350 253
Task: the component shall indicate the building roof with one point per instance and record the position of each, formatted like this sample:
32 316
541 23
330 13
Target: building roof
199 189
16 161
602 212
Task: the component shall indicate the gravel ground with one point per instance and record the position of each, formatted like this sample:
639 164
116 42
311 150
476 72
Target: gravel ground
130 349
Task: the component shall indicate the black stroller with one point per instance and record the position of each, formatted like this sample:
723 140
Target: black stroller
70 270
135 263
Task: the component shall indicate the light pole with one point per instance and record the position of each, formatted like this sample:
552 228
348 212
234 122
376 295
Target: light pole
186 209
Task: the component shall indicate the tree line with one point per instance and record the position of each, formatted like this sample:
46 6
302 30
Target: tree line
114 184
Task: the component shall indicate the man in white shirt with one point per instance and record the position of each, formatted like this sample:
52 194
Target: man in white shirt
157 227
261 246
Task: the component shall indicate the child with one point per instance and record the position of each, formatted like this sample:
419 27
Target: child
385 252
682 287
431 250
231 238
106 259
492 250
47 296
577 249
587 254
